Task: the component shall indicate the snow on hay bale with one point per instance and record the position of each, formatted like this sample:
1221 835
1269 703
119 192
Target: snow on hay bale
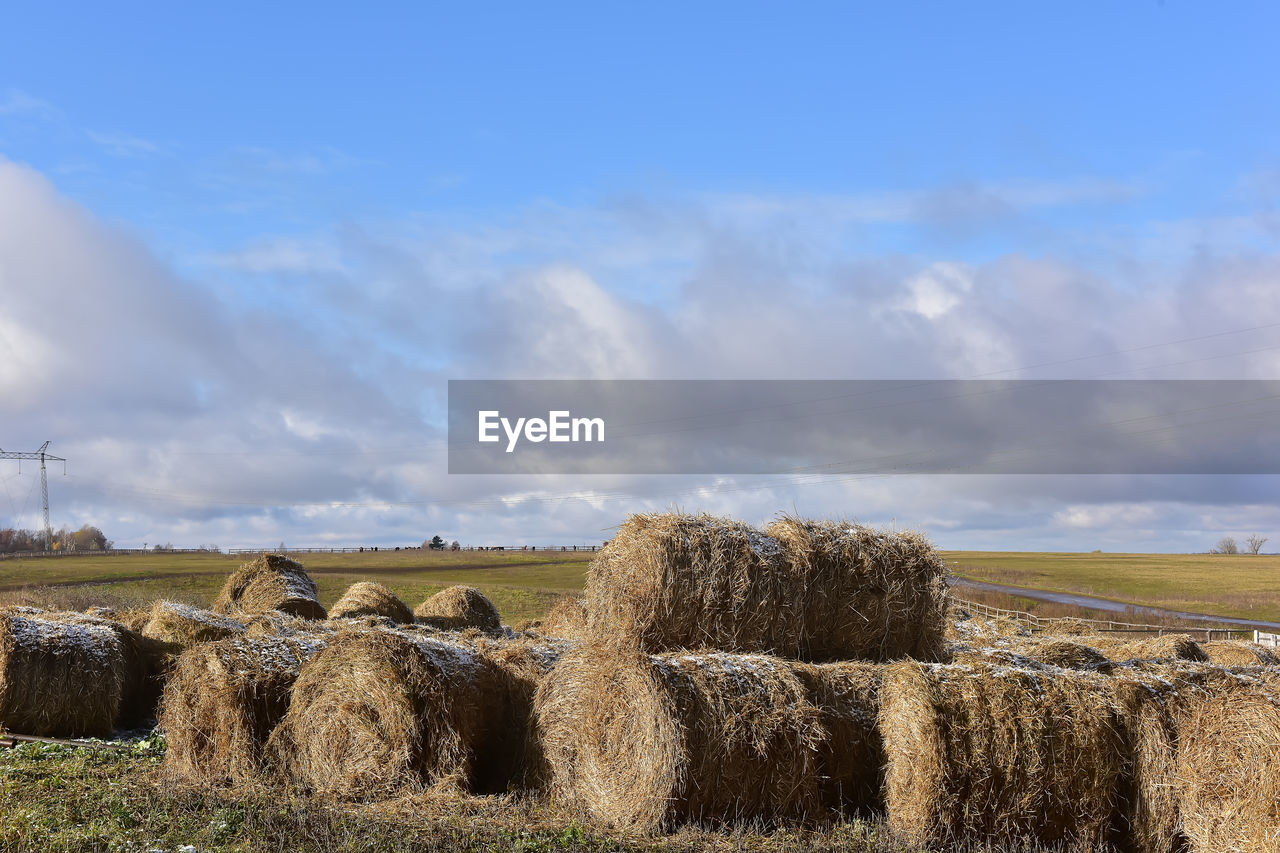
1229 764
1036 652
223 700
380 712
185 625
371 599
806 590
1234 653
637 742
457 608
61 674
998 754
271 582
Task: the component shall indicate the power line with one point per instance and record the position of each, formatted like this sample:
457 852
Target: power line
42 455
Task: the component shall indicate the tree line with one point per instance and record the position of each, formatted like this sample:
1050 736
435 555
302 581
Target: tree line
87 538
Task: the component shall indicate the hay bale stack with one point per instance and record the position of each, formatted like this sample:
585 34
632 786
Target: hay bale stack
638 742
184 625
223 700
807 590
380 712
458 608
851 760
1000 755
1164 647
1034 653
371 599
1229 757
271 582
61 675
1233 653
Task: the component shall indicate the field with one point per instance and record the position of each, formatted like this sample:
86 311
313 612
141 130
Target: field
63 798
1238 585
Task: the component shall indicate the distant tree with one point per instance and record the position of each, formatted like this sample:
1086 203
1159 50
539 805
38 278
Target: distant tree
454 546
435 543
1254 544
1226 545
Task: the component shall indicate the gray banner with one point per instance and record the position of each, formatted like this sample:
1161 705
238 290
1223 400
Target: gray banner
857 426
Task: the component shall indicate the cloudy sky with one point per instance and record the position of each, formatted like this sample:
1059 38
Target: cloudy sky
243 248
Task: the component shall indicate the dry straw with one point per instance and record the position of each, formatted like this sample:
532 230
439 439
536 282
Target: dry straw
1229 762
371 599
223 700
806 590
184 625
1164 647
568 619
380 712
851 760
1037 652
457 608
1000 755
1233 653
61 674
637 742
271 582
1155 700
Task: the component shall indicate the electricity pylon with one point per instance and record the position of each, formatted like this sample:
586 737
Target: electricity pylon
44 482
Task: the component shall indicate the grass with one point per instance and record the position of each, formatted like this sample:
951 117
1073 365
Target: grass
523 585
1237 585
58 798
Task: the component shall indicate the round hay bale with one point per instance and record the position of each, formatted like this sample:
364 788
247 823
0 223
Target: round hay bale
1000 755
858 592
851 760
371 599
184 625
639 742
380 712
1234 653
1155 699
807 590
1164 647
1229 757
61 677
223 700
459 607
271 582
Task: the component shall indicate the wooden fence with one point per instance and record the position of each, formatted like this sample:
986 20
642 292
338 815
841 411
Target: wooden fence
1046 624
1264 638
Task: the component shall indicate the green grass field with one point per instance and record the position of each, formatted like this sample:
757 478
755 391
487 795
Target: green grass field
524 585
1238 585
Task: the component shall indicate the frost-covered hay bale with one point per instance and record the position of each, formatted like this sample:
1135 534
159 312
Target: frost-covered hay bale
806 590
63 677
1165 647
271 582
1049 651
185 625
851 760
1000 755
859 592
223 700
371 599
1229 761
457 608
638 742
1235 653
381 712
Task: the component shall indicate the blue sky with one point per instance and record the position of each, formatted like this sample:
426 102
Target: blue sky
371 200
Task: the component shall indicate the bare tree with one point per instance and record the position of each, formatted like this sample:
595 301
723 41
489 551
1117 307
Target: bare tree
1226 545
1254 544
